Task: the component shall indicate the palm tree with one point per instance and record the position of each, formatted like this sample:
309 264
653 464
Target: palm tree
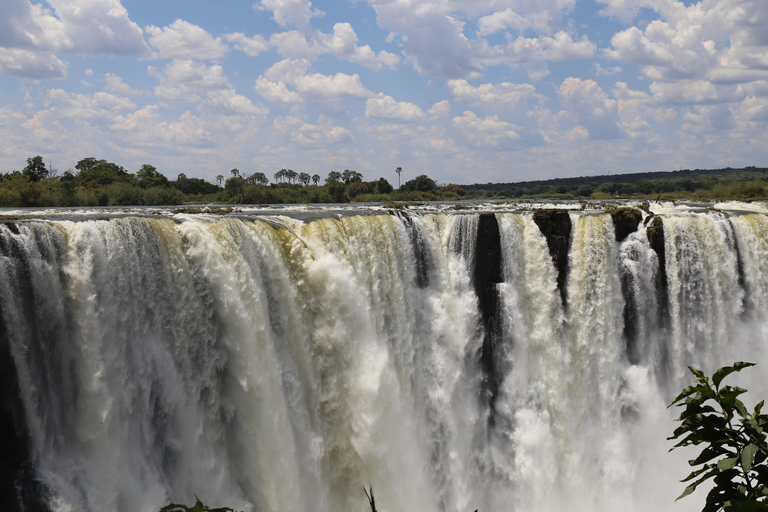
398 171
219 179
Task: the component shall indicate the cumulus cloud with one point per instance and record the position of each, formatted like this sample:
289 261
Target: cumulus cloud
314 87
505 93
31 35
489 131
440 109
589 106
276 92
385 107
115 85
30 64
521 15
719 40
183 40
146 128
434 34
312 135
95 26
694 92
188 81
342 44
101 105
290 13
251 46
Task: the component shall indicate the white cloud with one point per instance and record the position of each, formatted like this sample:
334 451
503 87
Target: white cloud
440 109
146 128
436 44
315 87
91 26
506 93
559 48
502 20
305 134
187 81
490 131
31 35
717 40
601 71
251 46
287 13
276 92
342 44
385 107
319 87
101 105
115 85
694 92
288 70
589 106
30 64
183 40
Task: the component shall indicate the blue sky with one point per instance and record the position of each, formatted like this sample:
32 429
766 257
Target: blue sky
464 91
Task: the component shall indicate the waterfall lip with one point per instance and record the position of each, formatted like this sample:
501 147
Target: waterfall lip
309 212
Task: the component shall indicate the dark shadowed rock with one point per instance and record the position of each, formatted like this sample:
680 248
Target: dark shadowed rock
625 221
556 227
487 273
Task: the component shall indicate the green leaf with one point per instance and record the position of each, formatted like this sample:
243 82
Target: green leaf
723 372
746 506
748 456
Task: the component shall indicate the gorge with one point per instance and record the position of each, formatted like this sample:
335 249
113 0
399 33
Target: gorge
499 358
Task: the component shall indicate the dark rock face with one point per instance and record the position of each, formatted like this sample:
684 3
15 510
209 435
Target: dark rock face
655 234
556 227
487 273
625 221
18 489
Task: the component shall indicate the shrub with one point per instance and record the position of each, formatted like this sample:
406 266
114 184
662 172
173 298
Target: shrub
735 452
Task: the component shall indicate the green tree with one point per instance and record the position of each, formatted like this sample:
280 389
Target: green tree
421 183
399 171
149 177
35 169
333 178
734 439
258 178
383 186
304 178
315 179
351 176
100 172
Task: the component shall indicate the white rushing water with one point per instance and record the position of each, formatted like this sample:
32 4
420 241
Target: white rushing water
271 364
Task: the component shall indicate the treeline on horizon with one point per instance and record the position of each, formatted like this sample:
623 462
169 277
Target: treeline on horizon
101 183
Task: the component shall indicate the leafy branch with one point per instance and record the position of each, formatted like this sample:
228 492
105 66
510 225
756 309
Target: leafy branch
197 507
735 452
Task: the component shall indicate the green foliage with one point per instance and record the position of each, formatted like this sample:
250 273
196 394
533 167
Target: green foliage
421 183
356 188
734 439
35 169
197 507
148 176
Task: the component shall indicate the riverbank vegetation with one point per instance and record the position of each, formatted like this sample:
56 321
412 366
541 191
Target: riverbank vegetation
96 182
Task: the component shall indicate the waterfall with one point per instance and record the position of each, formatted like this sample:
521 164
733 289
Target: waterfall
267 363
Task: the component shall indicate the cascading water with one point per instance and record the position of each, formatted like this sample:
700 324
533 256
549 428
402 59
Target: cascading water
273 364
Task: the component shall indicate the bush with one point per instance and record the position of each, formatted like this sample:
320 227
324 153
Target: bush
735 452
123 194
163 196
